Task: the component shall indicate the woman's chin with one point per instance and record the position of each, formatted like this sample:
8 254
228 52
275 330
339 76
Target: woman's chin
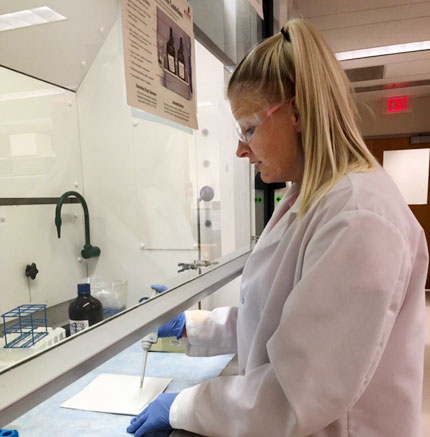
267 178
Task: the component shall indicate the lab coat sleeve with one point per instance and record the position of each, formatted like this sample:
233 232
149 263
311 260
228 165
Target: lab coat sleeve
334 327
211 332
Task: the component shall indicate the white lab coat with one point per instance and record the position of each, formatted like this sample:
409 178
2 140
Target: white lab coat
330 329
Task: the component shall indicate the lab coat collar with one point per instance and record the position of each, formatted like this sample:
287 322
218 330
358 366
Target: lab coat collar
296 206
282 217
292 195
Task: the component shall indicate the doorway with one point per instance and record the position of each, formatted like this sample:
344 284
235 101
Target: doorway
422 210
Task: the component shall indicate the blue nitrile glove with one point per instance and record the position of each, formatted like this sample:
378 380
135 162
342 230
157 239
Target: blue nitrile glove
155 417
174 327
159 288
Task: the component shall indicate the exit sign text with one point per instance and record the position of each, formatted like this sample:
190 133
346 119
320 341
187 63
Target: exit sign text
396 104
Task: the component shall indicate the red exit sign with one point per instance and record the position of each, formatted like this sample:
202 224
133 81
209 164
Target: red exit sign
397 104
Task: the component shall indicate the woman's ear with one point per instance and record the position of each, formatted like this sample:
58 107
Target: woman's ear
296 121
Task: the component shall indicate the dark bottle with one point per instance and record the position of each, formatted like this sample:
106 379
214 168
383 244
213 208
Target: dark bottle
85 310
181 61
190 70
171 53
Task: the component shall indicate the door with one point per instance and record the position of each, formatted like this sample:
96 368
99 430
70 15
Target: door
421 212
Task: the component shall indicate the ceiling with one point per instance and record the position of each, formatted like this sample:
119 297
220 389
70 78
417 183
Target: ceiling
358 24
61 52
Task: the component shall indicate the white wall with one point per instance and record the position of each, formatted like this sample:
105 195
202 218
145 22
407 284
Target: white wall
137 180
39 157
374 122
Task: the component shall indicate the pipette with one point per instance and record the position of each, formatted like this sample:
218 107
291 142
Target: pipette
151 338
146 343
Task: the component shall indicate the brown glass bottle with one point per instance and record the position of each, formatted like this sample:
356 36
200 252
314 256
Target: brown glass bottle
85 310
190 70
181 61
171 53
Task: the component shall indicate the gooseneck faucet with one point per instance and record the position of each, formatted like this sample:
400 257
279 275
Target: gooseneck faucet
88 251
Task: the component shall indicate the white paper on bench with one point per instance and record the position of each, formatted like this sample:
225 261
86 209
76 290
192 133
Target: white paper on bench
118 394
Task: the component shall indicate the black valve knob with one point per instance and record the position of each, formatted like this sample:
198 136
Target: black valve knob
31 271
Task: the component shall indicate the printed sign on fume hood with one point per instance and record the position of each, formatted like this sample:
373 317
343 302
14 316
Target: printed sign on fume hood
2 216
158 46
258 6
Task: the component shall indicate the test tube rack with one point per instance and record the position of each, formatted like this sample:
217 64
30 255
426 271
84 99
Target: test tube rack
24 325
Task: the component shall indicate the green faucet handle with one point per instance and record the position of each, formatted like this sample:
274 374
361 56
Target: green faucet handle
90 251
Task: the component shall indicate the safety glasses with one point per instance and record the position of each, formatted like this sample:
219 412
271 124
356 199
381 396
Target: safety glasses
247 127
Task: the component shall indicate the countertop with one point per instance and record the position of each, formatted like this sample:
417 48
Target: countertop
48 418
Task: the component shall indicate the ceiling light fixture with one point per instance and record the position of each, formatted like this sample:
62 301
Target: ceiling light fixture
383 51
29 17
30 94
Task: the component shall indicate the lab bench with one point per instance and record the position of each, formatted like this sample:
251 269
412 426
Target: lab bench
48 418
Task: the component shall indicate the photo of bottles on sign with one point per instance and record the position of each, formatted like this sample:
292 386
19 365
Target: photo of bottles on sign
174 56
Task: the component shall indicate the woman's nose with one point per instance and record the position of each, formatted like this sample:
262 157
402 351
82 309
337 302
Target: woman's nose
242 150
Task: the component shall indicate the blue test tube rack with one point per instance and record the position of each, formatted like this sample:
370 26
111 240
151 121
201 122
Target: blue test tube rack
23 327
9 433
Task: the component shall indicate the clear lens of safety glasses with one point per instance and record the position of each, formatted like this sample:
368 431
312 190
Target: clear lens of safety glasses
245 134
246 129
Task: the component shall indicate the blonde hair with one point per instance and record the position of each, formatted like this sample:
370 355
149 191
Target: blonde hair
299 63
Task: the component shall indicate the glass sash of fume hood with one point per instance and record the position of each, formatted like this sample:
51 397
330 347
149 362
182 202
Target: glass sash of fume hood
35 379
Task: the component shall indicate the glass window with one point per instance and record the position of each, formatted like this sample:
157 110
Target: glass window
165 203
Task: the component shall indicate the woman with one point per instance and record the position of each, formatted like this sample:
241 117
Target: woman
330 329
